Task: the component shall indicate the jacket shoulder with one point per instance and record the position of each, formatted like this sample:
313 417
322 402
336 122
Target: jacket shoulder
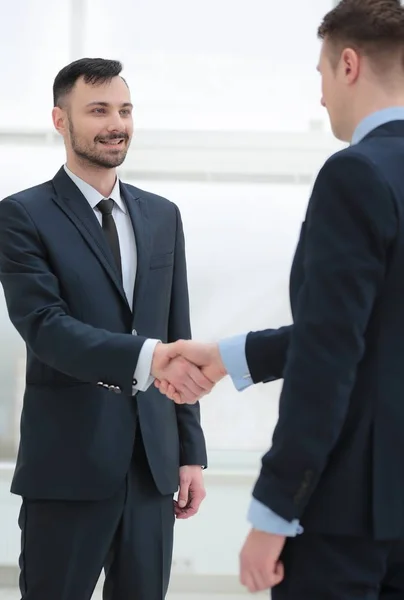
32 194
356 153
150 198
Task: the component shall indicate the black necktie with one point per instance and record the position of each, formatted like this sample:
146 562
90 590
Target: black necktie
108 225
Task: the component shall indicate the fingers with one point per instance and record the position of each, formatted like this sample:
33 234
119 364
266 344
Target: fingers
163 354
208 366
206 356
197 498
182 396
189 392
278 574
183 493
183 382
172 394
260 567
247 580
186 513
256 580
200 380
189 384
191 508
194 352
193 384
183 513
169 390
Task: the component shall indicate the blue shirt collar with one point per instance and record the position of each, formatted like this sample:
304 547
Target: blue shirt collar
376 119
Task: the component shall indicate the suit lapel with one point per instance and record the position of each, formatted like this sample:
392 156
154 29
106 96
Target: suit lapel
75 206
137 208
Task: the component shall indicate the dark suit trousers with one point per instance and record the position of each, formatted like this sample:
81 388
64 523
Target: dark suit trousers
65 544
326 567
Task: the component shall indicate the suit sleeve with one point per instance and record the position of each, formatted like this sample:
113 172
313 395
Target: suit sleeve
350 226
192 441
266 353
38 312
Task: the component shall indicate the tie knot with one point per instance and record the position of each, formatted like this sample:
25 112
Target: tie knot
105 206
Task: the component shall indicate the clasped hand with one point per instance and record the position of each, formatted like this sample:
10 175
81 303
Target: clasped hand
184 371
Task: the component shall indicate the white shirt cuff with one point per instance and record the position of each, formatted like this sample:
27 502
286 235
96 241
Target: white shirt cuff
142 378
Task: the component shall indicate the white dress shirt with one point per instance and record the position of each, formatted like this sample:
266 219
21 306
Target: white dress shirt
127 243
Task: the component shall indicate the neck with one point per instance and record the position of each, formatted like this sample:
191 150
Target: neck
375 102
101 179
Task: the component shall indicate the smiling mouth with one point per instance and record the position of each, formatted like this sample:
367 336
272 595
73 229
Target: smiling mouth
112 143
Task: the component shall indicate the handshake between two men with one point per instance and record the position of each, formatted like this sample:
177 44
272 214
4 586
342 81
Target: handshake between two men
185 370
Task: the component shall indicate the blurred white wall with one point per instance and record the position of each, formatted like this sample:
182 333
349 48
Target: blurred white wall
219 64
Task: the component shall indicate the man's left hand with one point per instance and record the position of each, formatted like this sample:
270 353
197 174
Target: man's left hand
260 567
191 492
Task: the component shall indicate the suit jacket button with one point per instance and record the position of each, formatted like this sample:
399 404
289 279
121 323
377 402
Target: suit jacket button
117 389
134 332
134 382
100 383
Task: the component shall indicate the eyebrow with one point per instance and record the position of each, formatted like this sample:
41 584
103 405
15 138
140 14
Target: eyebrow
96 103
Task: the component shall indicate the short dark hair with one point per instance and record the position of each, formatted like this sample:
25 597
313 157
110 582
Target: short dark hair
93 70
374 28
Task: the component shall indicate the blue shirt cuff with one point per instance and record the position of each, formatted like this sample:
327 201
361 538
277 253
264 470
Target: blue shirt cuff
232 351
264 519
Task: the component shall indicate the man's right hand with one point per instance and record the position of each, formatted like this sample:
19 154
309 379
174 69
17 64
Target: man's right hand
205 356
179 374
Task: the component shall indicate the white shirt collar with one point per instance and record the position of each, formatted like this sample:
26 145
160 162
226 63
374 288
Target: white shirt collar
92 196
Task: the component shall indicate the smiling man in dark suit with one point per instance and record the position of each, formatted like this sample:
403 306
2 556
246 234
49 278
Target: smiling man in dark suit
328 507
94 276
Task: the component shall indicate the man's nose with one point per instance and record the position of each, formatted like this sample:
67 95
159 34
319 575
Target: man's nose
116 123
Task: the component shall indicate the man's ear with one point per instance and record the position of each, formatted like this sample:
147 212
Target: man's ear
350 64
59 118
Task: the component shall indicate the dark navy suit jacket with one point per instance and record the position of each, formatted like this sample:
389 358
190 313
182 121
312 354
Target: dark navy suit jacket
66 300
337 459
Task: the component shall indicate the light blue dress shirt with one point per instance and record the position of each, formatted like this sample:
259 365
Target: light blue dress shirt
233 354
371 122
